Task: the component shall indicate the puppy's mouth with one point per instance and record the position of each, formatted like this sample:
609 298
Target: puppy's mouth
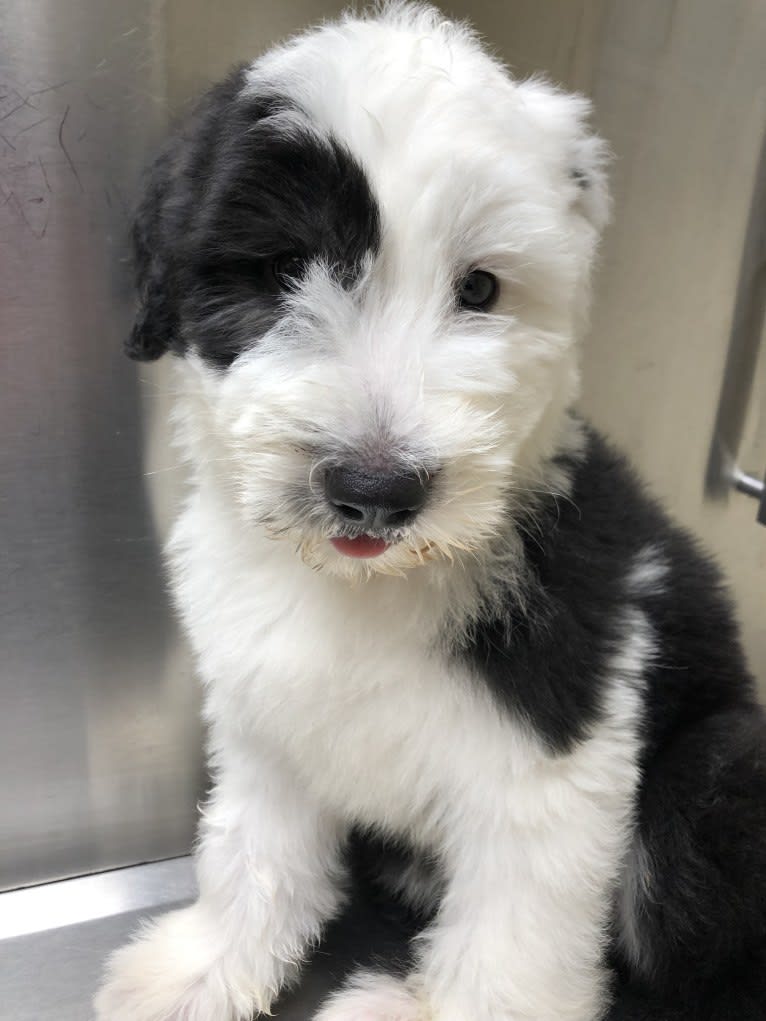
360 546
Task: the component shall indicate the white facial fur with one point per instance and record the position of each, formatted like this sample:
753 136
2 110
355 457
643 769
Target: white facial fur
392 369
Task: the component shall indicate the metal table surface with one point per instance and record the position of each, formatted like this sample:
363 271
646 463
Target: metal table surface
54 939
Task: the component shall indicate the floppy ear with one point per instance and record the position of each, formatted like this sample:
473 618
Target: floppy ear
156 326
589 159
564 117
166 218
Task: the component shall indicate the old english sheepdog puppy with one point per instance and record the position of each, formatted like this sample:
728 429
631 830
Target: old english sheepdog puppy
427 601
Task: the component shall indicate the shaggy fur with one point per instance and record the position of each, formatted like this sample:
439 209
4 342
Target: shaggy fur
371 252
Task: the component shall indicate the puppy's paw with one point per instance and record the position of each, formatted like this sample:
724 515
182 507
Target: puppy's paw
373 997
174 971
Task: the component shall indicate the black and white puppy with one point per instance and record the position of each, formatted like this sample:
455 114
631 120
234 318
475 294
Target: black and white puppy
426 600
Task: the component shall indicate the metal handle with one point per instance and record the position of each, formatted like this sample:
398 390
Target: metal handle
742 359
752 486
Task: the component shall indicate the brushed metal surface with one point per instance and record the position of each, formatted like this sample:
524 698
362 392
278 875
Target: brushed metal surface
55 938
99 740
70 902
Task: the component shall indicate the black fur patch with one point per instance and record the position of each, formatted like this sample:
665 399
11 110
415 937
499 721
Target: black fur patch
549 664
235 188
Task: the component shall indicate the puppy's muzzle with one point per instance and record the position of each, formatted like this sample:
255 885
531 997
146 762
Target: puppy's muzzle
375 501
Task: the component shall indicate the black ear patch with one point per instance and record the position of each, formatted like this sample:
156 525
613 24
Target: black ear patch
173 187
248 181
156 325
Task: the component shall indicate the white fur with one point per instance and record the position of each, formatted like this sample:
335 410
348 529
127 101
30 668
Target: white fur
374 997
330 696
650 569
635 890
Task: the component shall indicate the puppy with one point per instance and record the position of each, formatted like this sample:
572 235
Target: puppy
428 601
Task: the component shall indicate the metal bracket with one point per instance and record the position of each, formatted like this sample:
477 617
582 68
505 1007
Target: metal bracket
742 359
752 486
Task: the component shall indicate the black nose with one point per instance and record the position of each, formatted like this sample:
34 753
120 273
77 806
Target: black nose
376 500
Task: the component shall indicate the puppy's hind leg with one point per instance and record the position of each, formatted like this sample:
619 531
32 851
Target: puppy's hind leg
691 919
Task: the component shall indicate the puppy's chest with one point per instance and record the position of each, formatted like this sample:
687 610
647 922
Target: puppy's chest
352 685
370 719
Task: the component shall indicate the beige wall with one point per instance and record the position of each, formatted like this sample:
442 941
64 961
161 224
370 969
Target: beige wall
205 38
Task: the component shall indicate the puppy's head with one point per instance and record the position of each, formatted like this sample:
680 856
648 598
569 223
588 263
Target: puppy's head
371 249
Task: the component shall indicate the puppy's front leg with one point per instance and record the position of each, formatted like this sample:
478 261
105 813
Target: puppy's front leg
520 933
267 864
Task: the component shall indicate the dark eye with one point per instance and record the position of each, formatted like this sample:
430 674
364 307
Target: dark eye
477 290
288 268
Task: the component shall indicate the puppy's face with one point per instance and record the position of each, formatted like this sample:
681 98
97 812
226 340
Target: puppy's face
372 250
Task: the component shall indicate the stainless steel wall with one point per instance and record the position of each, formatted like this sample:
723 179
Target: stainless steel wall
99 740
99 744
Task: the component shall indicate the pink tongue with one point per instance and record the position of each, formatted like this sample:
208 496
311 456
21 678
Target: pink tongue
363 546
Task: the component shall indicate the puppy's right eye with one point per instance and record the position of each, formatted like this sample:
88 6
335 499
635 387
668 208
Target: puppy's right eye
477 291
287 269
